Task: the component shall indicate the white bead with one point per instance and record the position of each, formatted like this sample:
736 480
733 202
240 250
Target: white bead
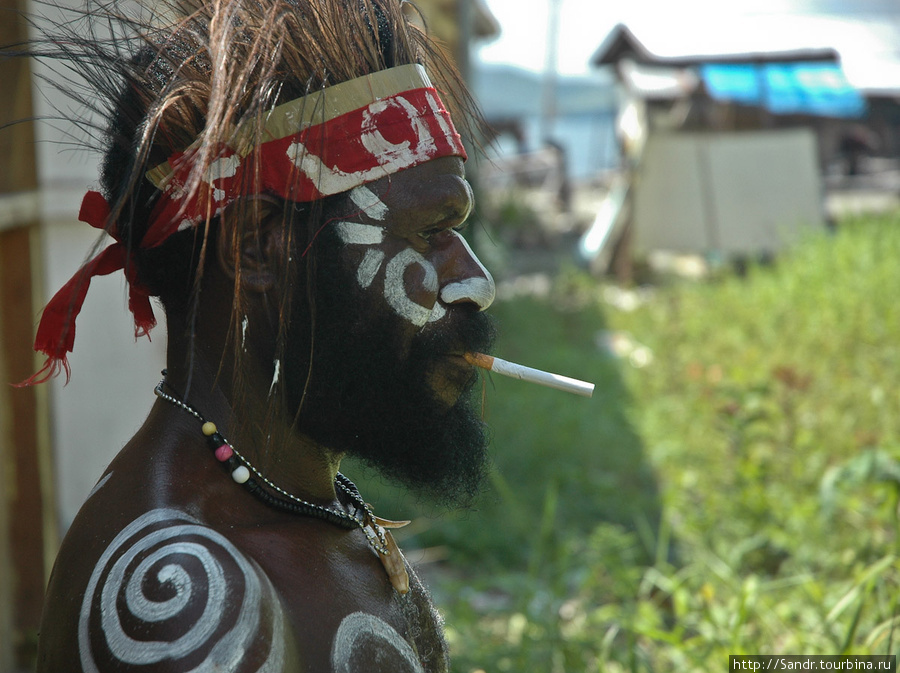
241 474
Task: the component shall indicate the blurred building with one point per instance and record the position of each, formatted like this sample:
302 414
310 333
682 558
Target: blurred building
582 127
725 152
458 24
737 91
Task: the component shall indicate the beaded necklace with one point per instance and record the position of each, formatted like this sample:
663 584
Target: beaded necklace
245 474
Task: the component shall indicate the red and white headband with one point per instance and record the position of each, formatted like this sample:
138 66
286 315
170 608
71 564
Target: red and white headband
322 144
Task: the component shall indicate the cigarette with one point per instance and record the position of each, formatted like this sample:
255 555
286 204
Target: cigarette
543 378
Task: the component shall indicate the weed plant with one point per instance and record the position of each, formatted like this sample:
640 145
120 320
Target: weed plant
735 494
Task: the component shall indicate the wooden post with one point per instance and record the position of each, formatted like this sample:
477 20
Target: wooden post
23 418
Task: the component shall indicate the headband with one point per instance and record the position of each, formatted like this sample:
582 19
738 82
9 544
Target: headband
319 145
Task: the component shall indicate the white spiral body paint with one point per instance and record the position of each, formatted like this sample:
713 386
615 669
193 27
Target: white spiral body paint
100 484
360 630
480 290
354 233
164 540
244 324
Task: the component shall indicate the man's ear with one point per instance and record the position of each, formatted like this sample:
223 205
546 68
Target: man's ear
251 242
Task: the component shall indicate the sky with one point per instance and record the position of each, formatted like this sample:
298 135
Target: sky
865 32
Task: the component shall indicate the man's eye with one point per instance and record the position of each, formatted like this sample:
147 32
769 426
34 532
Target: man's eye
427 234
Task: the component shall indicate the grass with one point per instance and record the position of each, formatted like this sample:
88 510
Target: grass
736 495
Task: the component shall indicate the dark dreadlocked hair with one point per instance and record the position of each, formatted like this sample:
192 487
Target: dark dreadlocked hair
163 75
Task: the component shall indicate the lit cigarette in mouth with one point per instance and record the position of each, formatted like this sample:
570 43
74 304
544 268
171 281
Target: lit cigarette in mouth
515 371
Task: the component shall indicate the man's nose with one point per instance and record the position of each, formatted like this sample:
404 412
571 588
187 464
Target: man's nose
462 277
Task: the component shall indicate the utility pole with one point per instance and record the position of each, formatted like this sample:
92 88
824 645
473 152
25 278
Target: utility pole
551 75
25 510
463 47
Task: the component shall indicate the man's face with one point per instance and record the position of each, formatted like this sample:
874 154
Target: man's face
398 300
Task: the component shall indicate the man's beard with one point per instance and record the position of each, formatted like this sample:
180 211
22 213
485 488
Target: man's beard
370 395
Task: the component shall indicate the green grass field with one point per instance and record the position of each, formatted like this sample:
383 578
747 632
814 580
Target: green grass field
736 494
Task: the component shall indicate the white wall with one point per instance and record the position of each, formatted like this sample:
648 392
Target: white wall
747 192
111 389
113 376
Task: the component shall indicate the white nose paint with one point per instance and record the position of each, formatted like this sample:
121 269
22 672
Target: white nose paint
437 312
478 289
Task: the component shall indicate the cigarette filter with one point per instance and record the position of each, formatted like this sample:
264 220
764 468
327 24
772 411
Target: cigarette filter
543 378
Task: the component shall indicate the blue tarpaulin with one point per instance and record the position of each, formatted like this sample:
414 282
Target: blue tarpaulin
786 88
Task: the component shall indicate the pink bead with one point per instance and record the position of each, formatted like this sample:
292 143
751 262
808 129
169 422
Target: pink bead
223 453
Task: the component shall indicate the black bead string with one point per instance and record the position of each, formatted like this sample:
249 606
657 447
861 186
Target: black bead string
281 499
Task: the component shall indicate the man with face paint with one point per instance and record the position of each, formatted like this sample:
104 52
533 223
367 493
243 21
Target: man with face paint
284 177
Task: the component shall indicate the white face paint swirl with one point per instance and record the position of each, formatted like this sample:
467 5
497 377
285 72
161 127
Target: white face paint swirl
367 201
395 293
167 573
362 637
477 289
395 288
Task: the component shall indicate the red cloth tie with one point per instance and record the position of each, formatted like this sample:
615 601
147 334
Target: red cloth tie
56 332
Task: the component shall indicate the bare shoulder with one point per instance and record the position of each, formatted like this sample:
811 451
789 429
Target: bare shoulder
346 615
164 593
165 589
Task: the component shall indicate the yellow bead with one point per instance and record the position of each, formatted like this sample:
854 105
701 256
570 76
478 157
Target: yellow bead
209 428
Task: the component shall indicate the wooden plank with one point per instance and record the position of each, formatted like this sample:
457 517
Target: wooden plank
24 461
17 158
25 501
6 484
19 207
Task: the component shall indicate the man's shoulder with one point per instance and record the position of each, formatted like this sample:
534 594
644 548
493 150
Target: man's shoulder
161 591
